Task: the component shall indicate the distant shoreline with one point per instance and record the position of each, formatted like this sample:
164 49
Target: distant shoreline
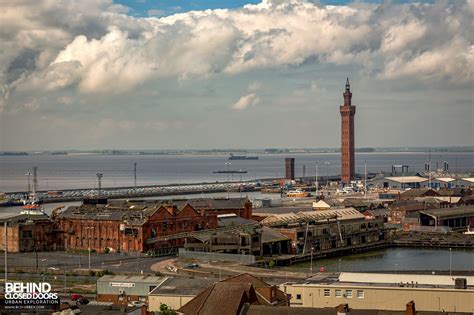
220 152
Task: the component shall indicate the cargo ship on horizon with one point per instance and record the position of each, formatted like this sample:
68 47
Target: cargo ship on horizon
242 157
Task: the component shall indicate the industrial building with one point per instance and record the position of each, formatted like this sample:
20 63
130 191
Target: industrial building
389 292
127 226
176 292
327 230
27 232
455 218
398 182
124 289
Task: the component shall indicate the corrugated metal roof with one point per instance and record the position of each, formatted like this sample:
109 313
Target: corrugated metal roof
319 215
131 278
407 179
398 278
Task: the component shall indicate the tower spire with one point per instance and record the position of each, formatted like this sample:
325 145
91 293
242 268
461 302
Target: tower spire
348 86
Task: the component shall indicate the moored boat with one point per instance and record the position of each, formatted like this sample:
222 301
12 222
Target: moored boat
297 194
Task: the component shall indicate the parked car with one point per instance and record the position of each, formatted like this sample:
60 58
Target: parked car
82 301
75 297
192 266
136 304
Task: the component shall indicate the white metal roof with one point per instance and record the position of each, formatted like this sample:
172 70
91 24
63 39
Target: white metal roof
399 278
407 179
321 204
468 179
445 179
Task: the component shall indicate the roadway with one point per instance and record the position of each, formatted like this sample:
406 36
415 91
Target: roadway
57 262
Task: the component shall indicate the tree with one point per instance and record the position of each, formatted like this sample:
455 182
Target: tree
166 310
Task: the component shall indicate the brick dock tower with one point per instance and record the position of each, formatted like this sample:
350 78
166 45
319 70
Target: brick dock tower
347 137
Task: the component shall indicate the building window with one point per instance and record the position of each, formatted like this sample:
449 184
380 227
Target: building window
349 294
327 292
26 234
360 294
338 293
298 296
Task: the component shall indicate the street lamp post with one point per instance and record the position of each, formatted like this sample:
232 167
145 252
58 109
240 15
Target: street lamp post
450 260
316 181
88 228
311 265
365 179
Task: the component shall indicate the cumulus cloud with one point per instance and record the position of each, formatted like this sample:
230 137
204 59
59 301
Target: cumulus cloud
246 101
95 47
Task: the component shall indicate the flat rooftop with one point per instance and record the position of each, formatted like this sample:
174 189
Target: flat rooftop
385 280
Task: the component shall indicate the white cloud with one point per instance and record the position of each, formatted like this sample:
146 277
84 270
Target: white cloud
94 47
246 101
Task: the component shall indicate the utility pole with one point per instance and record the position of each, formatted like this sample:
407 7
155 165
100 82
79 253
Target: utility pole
88 228
450 262
99 177
135 174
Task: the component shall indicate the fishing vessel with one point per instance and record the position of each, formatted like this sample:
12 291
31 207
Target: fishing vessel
242 157
297 193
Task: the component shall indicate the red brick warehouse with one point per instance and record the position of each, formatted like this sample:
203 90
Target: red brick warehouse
347 137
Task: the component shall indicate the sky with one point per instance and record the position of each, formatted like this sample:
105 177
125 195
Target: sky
103 74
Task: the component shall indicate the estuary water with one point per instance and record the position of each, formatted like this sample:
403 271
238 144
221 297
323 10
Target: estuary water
396 260
79 171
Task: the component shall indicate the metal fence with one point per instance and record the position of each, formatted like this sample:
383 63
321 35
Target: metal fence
243 259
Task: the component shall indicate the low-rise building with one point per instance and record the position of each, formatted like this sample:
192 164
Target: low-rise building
230 296
389 292
398 182
175 292
455 218
124 289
